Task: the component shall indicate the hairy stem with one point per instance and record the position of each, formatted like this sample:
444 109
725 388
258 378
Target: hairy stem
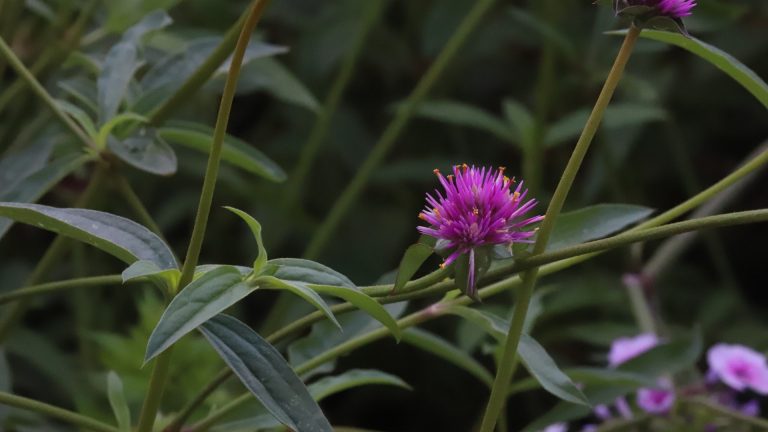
162 365
391 134
55 412
509 351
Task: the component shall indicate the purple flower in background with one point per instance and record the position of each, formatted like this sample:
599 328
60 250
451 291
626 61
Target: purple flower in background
478 209
655 400
739 367
557 427
623 349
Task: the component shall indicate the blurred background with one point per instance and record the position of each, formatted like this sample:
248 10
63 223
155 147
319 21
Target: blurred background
516 95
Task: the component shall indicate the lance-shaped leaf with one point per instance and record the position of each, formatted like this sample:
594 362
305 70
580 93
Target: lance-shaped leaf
412 260
328 386
594 222
117 402
301 290
363 302
266 374
166 279
113 234
201 300
255 226
145 150
443 349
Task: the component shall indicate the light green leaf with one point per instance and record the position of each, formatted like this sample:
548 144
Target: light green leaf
306 271
111 124
265 373
236 152
461 114
363 302
328 386
412 260
145 150
118 69
540 365
113 234
167 279
34 186
594 222
117 402
81 117
255 226
270 75
445 350
301 290
201 300
717 57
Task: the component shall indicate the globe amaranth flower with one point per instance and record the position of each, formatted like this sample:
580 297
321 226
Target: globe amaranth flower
674 9
655 400
477 208
739 367
626 348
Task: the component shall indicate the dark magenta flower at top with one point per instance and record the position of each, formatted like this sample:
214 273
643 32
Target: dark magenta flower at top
739 367
477 208
676 8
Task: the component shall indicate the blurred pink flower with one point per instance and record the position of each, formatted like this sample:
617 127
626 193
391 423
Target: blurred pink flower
739 367
623 349
655 400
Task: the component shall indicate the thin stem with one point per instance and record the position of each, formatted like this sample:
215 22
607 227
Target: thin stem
52 287
51 256
641 307
509 352
198 400
55 412
133 200
162 365
708 405
391 134
320 129
40 91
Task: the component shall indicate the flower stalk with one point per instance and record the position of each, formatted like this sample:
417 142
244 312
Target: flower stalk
509 351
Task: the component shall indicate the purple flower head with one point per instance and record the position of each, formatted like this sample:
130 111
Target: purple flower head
669 8
626 348
739 367
557 427
655 400
478 209
659 14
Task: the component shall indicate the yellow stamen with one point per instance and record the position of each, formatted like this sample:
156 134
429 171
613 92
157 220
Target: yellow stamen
475 211
515 196
502 168
442 265
422 216
436 171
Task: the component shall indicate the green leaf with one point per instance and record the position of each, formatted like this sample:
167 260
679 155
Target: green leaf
117 402
490 323
145 150
462 114
445 350
412 260
201 300
301 290
589 377
594 222
717 57
167 279
540 365
265 373
255 226
306 271
81 117
667 358
328 386
113 234
521 121
119 66
270 75
236 152
34 186
114 122
363 302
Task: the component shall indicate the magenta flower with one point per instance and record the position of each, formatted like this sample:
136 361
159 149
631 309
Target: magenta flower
675 8
739 367
478 209
626 348
655 400
557 427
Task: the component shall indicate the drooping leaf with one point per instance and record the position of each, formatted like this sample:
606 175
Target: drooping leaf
445 350
462 114
521 121
255 226
166 279
328 386
717 57
145 150
590 377
236 152
543 368
594 222
117 402
301 290
363 302
270 75
266 374
201 300
113 234
34 186
306 271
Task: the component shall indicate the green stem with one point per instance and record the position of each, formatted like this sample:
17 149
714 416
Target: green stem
51 256
162 365
186 412
51 287
641 307
55 412
503 374
40 91
394 129
708 405
133 200
320 129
